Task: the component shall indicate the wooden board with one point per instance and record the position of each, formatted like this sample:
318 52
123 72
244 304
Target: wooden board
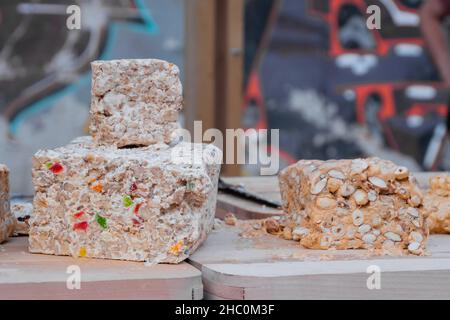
34 276
268 187
271 268
245 209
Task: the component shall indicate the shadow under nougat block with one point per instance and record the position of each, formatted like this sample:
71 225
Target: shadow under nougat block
351 204
7 221
134 102
139 204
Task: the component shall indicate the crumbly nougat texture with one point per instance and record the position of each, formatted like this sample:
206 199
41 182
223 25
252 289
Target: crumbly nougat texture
139 204
352 204
135 102
437 202
7 221
22 210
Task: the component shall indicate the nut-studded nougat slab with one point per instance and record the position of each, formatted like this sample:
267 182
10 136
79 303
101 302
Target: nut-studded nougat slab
7 221
130 204
437 202
134 102
351 204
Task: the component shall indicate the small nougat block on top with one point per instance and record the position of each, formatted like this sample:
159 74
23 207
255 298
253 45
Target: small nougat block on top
437 203
135 102
7 221
136 204
351 204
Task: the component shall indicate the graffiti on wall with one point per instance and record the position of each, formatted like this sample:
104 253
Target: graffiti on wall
339 89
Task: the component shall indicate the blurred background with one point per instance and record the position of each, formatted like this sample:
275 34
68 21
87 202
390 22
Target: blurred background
310 68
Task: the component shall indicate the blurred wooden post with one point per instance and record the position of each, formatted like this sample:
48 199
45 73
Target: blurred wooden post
199 81
214 65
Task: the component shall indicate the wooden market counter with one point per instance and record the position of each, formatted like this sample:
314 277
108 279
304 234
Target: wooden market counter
229 266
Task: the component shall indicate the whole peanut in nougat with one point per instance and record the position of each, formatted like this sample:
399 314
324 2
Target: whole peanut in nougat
437 202
7 221
351 204
134 102
138 204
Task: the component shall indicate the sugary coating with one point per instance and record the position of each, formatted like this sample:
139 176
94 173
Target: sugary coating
138 204
351 204
134 102
7 221
22 209
437 202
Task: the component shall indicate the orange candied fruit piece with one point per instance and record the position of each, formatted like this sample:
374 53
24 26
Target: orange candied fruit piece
97 187
177 247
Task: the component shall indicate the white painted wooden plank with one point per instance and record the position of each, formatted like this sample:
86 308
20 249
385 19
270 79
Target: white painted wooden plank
394 285
303 268
34 276
210 296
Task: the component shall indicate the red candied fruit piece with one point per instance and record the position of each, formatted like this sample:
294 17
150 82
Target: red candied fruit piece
80 226
79 214
56 168
138 220
133 187
137 207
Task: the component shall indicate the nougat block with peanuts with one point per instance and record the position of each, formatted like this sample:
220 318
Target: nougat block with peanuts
437 202
139 204
7 220
134 102
352 204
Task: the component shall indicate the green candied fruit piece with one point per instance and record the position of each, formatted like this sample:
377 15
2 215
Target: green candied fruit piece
48 165
101 221
127 202
190 185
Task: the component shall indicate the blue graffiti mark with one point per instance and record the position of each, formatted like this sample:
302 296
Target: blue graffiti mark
45 103
149 27
149 24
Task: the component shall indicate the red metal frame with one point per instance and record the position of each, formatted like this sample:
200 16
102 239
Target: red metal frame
388 105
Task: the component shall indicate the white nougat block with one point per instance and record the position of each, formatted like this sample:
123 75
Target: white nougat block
140 204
